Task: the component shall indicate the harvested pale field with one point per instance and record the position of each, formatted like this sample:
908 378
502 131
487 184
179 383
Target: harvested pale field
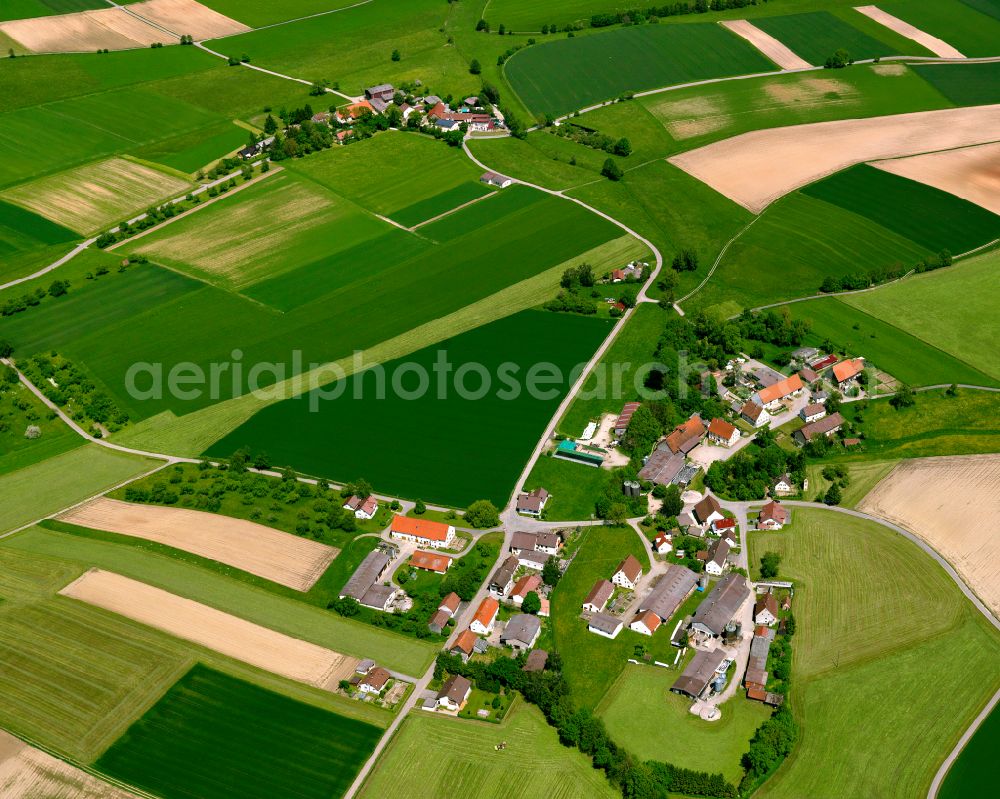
954 505
272 554
186 17
779 53
93 197
29 773
685 119
84 32
756 168
211 628
933 43
972 173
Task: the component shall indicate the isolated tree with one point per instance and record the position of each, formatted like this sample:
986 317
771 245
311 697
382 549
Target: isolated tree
840 59
622 147
611 170
769 565
531 604
550 572
952 390
482 514
395 55
685 261
475 67
833 495
672 502
419 507
33 431
903 398
501 30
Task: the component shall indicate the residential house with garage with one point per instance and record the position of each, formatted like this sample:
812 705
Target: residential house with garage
362 508
846 373
755 414
717 555
532 503
708 511
454 693
374 681
812 412
521 631
765 611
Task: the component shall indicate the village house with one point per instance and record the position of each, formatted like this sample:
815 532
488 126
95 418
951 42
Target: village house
645 623
521 631
700 674
808 375
726 528
379 597
717 554
374 681
454 693
771 396
755 414
384 92
547 543
685 437
673 587
628 573
422 532
812 412
430 561
364 666
464 645
495 179
532 503
524 586
721 605
621 424
439 621
353 112
846 373
450 604
722 432
532 559
605 625
486 616
773 516
598 597
503 578
362 508
826 426
783 486
369 571
662 544
708 511
765 611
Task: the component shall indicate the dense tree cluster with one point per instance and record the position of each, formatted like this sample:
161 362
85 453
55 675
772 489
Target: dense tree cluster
482 514
883 274
577 294
71 389
636 16
594 139
750 471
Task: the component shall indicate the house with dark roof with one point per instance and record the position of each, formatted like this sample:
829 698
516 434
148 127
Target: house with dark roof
503 578
708 510
824 427
628 573
717 555
495 178
454 693
670 591
755 414
374 681
663 466
439 621
532 503
379 597
783 486
765 610
700 673
604 625
533 559
721 605
598 597
812 412
384 91
369 571
622 422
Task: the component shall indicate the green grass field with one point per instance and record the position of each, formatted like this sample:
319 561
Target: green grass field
863 675
652 723
20 229
923 214
25 9
573 486
592 663
864 476
816 35
972 773
212 734
945 308
288 615
534 764
257 13
936 425
455 430
566 74
189 152
38 489
973 33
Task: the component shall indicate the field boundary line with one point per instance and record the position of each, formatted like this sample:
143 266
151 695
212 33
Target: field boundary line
297 19
718 260
452 211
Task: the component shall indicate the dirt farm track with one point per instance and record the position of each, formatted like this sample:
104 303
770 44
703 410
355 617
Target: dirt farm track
953 504
272 554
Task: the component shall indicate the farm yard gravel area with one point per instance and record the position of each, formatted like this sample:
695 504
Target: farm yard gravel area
274 555
206 626
932 498
756 168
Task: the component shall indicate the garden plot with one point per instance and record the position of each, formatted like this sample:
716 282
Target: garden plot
29 773
95 196
972 173
931 497
779 53
756 168
268 553
211 628
933 43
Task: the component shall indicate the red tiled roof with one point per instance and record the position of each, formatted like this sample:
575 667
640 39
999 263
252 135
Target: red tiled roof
649 619
421 528
822 363
528 583
487 611
780 389
845 370
722 429
465 641
431 561
724 524
774 511
686 434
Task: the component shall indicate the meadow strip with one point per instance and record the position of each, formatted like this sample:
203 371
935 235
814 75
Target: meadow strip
933 43
211 628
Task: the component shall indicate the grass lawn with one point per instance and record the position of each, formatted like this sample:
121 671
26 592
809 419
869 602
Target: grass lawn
653 724
413 423
290 616
591 662
928 216
38 489
562 75
973 32
466 762
189 152
574 488
950 309
257 13
850 663
895 339
212 734
935 425
864 476
972 773
520 159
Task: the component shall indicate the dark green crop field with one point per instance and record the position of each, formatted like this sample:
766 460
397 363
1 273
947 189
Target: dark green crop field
441 203
933 218
974 773
959 23
566 74
21 229
212 735
452 450
964 84
816 35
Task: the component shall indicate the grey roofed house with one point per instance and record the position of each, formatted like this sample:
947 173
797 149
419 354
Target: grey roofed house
378 596
379 104
432 99
673 588
382 91
480 646
662 466
523 541
439 621
368 572
699 673
364 666
547 541
684 519
721 604
599 594
521 631
533 559
536 660
605 623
